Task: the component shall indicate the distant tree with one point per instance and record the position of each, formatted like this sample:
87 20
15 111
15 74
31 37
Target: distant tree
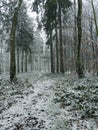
53 11
24 37
5 24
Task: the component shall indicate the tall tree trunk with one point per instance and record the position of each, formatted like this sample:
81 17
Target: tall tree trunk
95 19
96 46
61 41
51 52
40 64
18 66
79 61
1 58
12 42
93 48
0 64
31 61
75 35
26 55
22 61
57 50
96 26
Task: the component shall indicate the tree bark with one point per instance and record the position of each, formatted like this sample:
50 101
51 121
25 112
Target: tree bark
79 61
96 26
75 35
61 42
51 52
95 19
93 47
57 51
26 61
18 66
22 60
12 42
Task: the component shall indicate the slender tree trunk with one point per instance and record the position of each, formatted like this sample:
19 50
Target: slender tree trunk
12 51
22 61
75 35
79 61
51 52
31 61
57 51
93 48
95 19
40 64
1 62
96 46
61 42
96 26
26 55
12 42
18 67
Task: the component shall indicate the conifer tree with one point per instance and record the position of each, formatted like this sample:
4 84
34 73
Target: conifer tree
12 41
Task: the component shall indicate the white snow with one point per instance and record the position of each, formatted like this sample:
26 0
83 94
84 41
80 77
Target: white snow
29 104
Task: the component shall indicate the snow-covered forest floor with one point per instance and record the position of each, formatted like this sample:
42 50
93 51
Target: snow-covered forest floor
40 101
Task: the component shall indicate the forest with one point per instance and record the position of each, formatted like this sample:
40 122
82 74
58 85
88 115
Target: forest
48 65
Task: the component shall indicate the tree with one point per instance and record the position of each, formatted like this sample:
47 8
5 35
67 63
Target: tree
96 26
24 38
49 18
62 8
57 47
75 34
12 41
53 11
61 40
79 61
95 18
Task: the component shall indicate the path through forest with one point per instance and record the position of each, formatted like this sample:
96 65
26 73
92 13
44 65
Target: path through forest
37 102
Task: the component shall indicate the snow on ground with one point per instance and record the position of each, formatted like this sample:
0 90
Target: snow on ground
40 101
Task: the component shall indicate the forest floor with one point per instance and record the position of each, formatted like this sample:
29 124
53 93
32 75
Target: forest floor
43 101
